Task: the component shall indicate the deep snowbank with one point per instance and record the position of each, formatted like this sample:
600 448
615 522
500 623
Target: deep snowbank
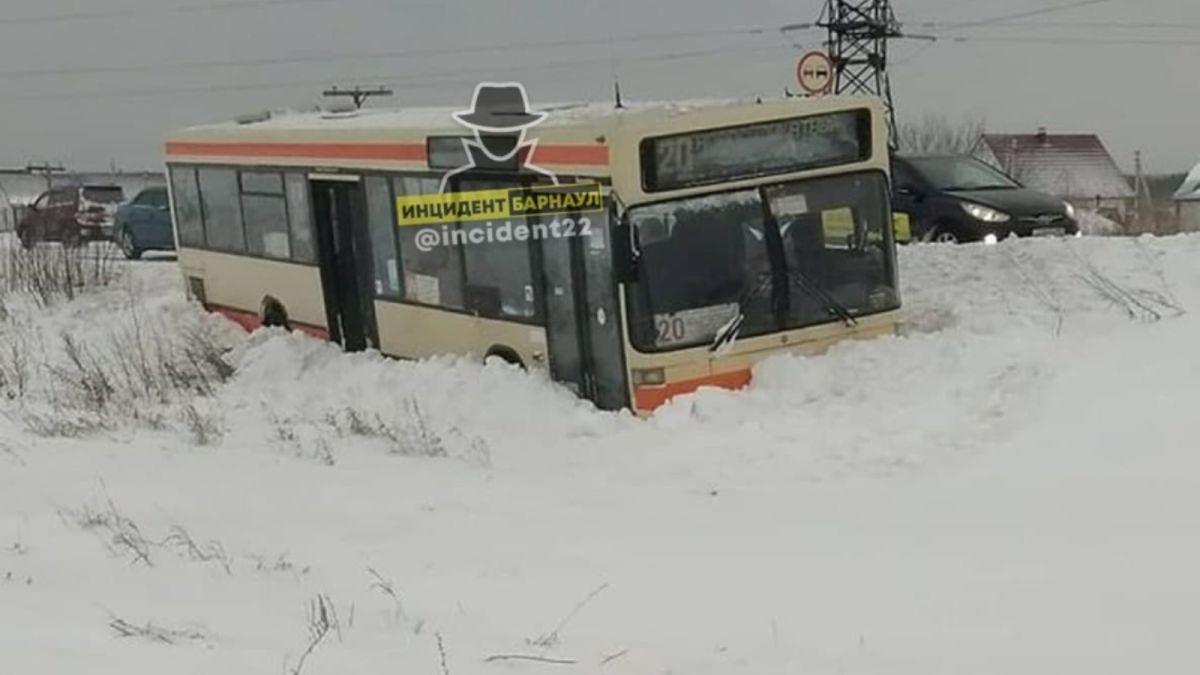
1009 486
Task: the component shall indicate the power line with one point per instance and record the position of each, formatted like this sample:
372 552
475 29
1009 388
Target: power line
434 81
377 55
1075 40
1042 11
1122 25
151 11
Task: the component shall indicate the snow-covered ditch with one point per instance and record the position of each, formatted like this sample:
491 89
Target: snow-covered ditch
1009 486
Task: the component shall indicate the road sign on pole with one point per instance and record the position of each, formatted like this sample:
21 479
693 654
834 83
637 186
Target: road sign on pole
815 73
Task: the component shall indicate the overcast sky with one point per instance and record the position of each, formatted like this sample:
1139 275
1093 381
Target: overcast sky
1091 68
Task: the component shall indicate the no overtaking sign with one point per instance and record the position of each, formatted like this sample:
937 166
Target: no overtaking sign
815 73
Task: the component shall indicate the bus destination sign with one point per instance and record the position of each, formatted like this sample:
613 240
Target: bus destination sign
753 150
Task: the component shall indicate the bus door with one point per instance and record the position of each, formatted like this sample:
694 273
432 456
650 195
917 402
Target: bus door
344 256
582 314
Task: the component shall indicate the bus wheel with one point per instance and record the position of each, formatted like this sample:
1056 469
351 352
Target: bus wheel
273 313
506 355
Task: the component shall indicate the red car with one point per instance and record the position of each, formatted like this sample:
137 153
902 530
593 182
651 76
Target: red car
72 215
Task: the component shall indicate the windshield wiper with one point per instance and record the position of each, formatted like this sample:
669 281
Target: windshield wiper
728 333
805 283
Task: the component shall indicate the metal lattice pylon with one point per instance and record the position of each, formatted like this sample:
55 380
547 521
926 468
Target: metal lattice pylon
859 31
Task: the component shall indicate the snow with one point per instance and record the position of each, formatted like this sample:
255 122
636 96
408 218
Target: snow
1095 224
560 114
1009 486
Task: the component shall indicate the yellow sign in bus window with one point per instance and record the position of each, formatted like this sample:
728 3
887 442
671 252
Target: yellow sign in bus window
838 225
901 226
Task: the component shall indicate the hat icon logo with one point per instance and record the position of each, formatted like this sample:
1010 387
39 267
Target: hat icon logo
498 108
500 117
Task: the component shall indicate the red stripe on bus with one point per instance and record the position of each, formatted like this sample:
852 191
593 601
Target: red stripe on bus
651 398
250 321
572 155
408 152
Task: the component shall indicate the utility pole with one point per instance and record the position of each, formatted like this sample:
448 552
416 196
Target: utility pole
1143 202
358 94
47 171
859 31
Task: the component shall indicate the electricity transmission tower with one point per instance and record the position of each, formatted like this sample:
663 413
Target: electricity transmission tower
859 31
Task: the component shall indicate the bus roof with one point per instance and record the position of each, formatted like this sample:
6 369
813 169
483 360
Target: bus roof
574 139
589 117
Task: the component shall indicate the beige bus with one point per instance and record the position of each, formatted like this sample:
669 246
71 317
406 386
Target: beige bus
683 243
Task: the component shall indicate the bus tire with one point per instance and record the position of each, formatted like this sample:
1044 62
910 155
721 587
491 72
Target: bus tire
273 313
505 354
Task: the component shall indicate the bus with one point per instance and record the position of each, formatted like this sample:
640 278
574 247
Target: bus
633 253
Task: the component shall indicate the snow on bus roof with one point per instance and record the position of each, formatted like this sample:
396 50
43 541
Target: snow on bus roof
561 114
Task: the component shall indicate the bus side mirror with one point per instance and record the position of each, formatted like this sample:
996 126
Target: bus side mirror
624 248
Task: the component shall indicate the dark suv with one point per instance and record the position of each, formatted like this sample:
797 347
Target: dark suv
71 214
961 199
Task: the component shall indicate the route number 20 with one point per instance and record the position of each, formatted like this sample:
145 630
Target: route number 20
671 330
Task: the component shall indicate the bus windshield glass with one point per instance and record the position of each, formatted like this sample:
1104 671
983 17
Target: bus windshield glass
776 257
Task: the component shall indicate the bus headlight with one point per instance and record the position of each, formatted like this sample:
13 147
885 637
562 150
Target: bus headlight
984 213
649 377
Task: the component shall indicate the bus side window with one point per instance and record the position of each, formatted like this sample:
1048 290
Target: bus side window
222 212
186 195
265 209
300 218
499 271
434 276
381 222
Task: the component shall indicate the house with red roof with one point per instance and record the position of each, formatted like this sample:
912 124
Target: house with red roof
1073 167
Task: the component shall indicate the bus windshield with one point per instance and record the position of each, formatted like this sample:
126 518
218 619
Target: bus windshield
781 257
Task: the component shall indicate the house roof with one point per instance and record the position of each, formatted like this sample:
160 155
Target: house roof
1072 166
1189 190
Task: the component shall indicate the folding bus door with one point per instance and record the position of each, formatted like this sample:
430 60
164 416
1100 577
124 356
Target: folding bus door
344 254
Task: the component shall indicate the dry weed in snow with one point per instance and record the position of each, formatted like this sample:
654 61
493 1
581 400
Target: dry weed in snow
322 620
154 633
50 274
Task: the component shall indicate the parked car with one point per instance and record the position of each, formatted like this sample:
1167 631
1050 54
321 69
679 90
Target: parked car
144 224
71 214
961 199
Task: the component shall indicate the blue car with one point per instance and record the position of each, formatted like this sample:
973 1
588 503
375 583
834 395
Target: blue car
144 224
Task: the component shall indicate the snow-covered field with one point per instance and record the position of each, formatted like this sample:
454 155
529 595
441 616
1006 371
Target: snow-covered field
1012 486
